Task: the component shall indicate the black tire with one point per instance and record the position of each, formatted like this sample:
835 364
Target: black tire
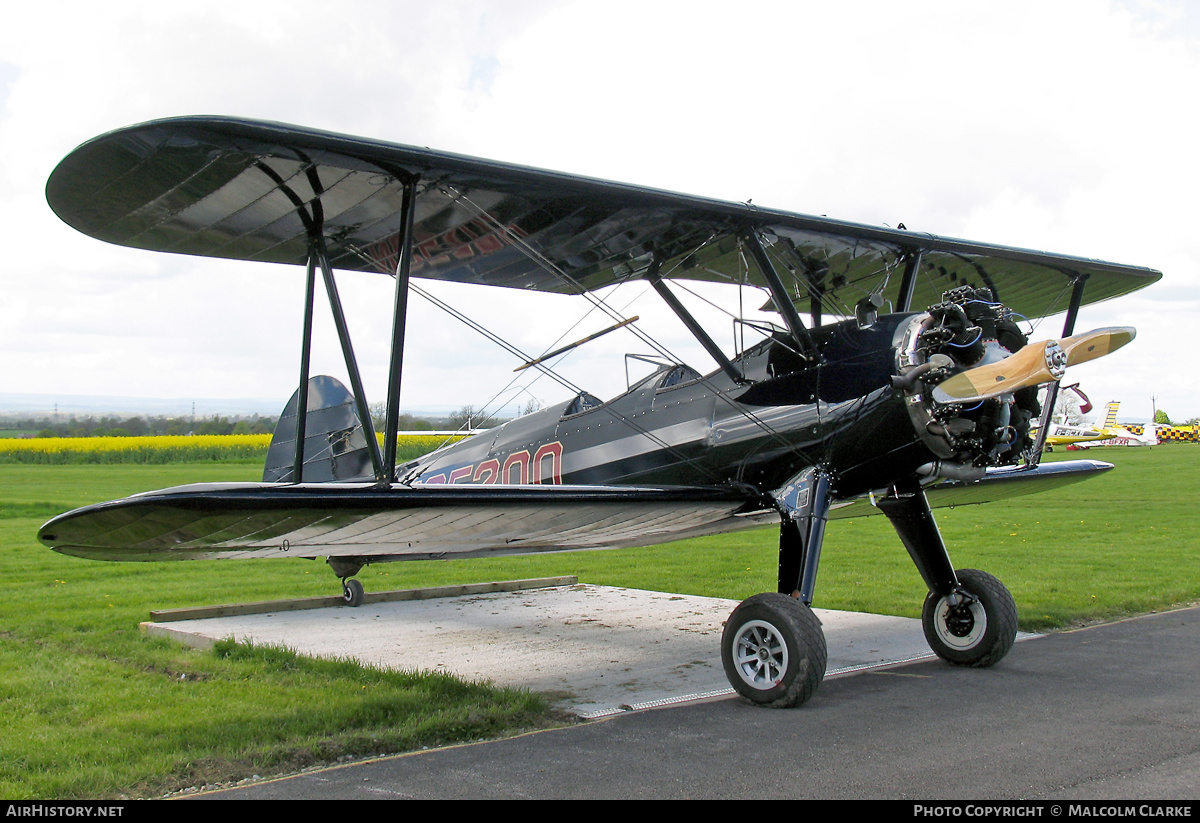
352 592
978 633
774 651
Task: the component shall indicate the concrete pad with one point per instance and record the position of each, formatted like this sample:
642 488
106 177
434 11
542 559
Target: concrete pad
596 650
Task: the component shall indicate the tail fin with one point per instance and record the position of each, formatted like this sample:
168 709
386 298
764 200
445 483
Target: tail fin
335 446
1085 405
1110 415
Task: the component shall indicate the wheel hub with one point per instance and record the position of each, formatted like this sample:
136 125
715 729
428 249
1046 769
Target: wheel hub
960 621
962 625
760 655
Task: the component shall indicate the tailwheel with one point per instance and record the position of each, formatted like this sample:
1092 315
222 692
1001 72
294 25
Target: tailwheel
977 630
352 592
773 650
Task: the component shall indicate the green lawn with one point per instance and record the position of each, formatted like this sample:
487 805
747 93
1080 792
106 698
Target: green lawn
94 709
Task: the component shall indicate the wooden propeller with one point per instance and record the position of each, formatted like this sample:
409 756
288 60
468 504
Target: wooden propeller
1033 365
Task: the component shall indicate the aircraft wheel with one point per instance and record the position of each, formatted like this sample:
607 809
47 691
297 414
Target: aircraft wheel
352 592
975 633
773 650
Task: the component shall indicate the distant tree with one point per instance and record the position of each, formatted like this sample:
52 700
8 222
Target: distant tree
409 423
176 426
378 416
468 418
1161 418
404 422
136 426
218 425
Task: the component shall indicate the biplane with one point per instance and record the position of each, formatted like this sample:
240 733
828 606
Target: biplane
896 378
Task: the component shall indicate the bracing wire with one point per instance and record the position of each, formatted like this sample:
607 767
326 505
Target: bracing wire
558 378
550 266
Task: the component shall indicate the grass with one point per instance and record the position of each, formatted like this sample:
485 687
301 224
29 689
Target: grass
94 709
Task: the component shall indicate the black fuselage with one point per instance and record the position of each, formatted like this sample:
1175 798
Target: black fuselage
677 427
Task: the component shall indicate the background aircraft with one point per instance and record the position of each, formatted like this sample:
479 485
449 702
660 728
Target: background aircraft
911 384
1067 426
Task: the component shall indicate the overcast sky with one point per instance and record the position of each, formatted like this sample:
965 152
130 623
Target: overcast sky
1065 126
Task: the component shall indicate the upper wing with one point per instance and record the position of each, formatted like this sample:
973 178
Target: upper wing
251 190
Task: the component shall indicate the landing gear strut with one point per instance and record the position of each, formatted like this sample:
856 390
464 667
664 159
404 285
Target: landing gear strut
969 617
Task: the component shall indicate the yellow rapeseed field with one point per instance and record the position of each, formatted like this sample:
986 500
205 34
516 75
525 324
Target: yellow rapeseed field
165 449
169 448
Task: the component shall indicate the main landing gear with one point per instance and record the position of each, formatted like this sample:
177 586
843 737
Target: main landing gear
773 649
969 617
974 626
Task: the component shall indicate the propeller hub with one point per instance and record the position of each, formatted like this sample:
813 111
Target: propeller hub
1056 359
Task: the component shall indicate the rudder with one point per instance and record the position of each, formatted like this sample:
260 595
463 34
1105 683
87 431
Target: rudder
335 445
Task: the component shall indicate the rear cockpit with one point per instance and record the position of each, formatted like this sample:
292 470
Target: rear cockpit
665 377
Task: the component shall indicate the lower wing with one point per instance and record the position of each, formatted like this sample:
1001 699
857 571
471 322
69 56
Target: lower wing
238 520
241 520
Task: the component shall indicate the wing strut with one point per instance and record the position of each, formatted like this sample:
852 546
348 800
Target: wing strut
783 301
313 218
310 288
399 320
695 328
1052 391
908 284
356 384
